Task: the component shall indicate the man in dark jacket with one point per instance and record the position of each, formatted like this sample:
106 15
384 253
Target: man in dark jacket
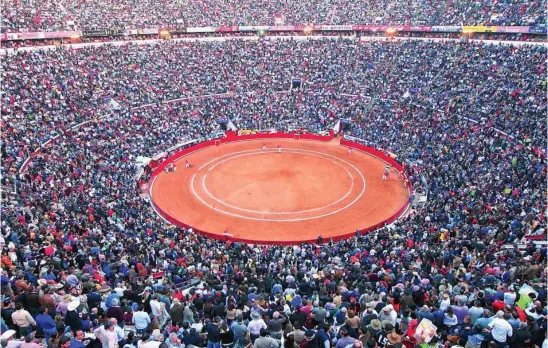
311 340
192 339
176 312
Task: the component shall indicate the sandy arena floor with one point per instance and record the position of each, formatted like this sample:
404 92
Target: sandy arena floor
308 189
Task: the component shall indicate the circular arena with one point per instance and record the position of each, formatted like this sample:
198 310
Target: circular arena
291 190
268 174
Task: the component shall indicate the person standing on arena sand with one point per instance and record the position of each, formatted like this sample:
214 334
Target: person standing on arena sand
279 148
264 147
187 164
349 150
386 173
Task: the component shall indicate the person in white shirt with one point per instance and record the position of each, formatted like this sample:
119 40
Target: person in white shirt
388 313
500 327
155 306
255 326
510 296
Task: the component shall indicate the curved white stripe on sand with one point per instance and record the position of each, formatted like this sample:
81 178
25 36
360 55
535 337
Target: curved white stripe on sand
278 213
285 220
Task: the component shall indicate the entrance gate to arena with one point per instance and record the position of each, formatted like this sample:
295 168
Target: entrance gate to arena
297 136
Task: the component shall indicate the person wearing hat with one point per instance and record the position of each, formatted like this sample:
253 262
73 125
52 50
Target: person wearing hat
393 337
265 341
388 313
63 304
72 318
378 333
255 326
9 341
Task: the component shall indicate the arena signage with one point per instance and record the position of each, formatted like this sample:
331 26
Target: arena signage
478 29
447 29
537 30
278 28
200 30
221 120
512 29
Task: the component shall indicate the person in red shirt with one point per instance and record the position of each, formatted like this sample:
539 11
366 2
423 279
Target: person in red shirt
498 305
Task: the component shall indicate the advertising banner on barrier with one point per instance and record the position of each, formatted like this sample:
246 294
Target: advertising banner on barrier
41 35
307 27
25 36
102 32
478 29
282 28
537 30
231 29
512 29
254 28
221 120
145 31
336 27
370 27
416 28
200 30
447 28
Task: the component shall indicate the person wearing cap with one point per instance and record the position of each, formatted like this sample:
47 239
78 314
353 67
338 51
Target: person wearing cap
388 313
9 341
23 319
265 341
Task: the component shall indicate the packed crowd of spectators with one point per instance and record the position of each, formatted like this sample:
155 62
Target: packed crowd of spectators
52 15
86 261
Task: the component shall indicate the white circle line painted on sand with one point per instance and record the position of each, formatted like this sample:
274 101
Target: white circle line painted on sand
278 213
284 220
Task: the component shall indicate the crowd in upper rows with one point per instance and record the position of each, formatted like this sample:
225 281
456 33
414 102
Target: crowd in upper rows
56 15
80 246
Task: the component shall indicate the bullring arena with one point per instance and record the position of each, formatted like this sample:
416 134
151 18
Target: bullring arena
293 190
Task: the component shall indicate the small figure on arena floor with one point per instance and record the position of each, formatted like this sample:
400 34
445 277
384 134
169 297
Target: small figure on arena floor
386 173
279 148
187 164
349 150
170 168
264 147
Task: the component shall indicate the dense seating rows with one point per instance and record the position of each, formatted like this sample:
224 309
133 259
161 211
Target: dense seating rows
80 243
52 15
